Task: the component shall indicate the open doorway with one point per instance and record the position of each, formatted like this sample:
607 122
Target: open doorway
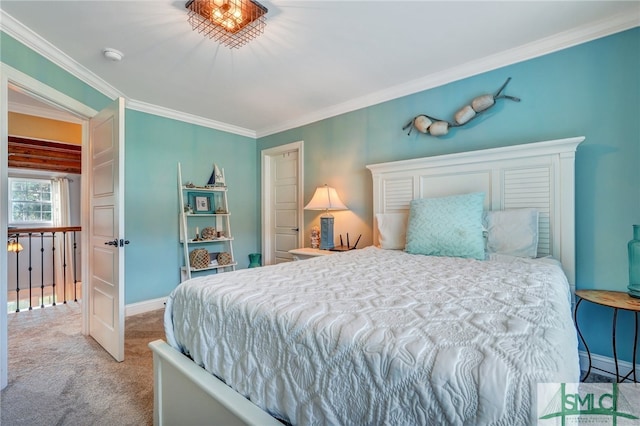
11 81
44 200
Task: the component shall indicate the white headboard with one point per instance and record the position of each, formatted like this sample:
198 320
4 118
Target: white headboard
538 175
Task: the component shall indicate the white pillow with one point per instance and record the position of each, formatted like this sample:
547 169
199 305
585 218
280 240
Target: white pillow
392 230
513 232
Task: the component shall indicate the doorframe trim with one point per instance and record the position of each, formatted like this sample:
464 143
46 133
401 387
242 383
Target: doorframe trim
10 76
266 216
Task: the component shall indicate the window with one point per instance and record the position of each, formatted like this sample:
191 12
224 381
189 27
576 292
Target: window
30 202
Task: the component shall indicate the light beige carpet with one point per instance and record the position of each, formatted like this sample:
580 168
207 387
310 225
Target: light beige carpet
57 376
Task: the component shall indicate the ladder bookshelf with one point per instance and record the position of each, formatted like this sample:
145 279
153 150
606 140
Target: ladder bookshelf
204 225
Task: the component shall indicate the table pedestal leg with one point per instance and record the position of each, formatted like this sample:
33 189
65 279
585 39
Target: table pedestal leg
584 342
615 355
635 345
635 350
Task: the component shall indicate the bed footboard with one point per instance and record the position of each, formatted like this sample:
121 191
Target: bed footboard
187 394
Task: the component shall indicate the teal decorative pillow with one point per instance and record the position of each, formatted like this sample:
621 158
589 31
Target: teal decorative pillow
447 226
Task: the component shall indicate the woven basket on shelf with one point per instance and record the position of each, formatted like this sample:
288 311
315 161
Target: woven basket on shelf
224 258
208 233
199 259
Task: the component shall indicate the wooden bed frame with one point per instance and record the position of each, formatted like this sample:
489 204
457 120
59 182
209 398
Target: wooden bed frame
539 175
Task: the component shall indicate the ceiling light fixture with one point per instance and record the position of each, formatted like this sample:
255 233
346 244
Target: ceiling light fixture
230 22
112 54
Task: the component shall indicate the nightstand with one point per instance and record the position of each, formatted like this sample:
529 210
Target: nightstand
614 300
306 253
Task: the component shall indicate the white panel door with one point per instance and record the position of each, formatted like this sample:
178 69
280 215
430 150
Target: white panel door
106 229
285 205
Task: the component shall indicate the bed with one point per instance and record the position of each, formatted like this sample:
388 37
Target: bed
386 336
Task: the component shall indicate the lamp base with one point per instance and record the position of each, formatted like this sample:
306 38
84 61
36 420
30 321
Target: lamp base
326 232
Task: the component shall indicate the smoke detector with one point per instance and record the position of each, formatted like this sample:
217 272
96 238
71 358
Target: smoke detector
112 54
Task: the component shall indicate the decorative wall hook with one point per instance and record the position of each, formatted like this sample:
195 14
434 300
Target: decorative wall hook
428 124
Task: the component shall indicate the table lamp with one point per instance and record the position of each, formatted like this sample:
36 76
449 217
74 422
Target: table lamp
326 198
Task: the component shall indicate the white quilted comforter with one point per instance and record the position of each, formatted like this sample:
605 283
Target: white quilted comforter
372 337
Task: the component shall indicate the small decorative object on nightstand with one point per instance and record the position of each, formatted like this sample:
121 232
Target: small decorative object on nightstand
315 237
615 300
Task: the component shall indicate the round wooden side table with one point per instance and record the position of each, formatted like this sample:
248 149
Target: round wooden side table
615 300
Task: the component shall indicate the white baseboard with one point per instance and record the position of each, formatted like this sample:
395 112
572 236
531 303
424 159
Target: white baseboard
605 366
146 306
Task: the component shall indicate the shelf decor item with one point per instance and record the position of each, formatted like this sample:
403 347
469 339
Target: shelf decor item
208 233
224 258
199 259
634 263
217 177
202 202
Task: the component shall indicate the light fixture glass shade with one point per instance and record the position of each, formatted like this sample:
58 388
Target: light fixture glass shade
325 198
230 22
14 246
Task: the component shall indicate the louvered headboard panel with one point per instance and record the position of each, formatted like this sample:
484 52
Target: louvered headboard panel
532 187
538 175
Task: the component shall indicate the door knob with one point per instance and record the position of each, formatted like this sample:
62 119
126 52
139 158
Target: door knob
117 243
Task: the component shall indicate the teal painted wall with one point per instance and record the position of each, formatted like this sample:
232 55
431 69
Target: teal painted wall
16 55
154 146
592 90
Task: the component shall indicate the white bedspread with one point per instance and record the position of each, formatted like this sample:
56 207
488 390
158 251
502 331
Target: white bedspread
378 337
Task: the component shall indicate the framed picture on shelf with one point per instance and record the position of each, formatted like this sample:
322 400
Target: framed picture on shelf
201 202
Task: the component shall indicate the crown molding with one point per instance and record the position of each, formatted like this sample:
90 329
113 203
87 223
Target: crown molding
26 36
522 53
188 118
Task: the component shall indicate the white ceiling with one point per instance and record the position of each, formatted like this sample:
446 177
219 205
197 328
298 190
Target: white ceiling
315 59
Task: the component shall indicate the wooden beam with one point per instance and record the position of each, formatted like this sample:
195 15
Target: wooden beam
44 155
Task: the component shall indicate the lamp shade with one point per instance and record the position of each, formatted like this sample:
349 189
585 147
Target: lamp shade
14 246
325 198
